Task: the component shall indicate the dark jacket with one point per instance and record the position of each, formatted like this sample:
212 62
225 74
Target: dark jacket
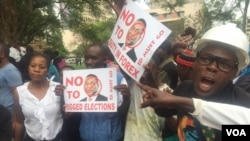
244 82
131 54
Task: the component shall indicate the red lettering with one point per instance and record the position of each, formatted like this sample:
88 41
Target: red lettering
76 107
110 74
119 32
128 66
99 106
74 81
160 34
117 53
73 94
78 81
147 50
112 45
69 81
69 94
110 97
110 86
139 62
127 17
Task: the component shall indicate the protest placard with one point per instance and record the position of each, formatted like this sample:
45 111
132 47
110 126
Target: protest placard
90 90
135 38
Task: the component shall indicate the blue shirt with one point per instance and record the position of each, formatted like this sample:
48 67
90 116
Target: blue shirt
102 126
9 77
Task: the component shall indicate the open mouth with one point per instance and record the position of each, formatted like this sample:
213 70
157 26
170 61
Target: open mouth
206 83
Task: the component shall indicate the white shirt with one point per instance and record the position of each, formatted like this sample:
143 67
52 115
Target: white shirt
16 54
142 124
214 114
42 118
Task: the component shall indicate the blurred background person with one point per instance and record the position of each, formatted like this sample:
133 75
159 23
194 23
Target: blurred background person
185 62
24 62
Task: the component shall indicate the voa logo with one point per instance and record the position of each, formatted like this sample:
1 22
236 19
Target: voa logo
236 132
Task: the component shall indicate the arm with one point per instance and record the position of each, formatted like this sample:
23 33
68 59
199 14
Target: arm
159 99
211 114
214 114
19 118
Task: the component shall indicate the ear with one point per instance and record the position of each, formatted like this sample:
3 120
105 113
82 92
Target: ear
235 74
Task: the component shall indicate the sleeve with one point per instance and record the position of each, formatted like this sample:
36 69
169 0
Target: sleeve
13 77
214 114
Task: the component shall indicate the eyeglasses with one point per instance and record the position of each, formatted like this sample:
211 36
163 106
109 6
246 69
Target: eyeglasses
225 65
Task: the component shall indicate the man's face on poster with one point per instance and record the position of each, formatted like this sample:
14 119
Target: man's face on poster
134 33
91 86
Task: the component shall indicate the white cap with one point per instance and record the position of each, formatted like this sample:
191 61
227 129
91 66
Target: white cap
230 36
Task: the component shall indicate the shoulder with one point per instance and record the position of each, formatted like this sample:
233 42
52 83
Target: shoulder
22 89
241 92
239 96
11 73
10 68
101 97
243 82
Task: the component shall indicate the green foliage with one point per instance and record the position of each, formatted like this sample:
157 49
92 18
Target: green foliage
97 32
201 21
32 21
79 51
72 12
222 11
78 67
215 12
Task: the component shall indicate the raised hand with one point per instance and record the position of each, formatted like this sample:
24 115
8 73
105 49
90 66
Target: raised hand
59 90
123 89
156 98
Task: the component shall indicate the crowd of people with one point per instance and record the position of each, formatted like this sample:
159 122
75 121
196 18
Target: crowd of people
188 90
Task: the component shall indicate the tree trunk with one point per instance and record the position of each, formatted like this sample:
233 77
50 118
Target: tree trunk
245 16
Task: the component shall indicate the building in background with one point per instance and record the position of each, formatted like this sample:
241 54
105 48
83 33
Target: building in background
175 18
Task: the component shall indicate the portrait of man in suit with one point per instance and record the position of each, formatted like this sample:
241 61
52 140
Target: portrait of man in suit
92 88
134 37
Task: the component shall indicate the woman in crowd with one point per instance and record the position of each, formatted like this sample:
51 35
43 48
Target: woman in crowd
38 109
